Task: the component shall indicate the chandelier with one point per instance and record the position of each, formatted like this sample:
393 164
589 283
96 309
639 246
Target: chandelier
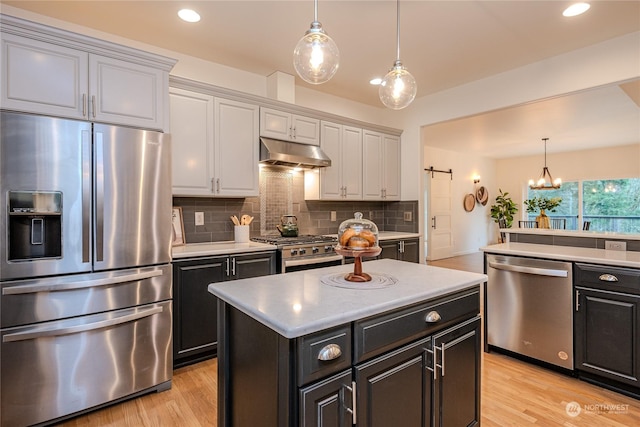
545 181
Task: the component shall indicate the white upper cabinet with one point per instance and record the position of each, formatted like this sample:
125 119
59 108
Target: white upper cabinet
289 127
214 145
343 179
381 166
192 142
236 148
55 76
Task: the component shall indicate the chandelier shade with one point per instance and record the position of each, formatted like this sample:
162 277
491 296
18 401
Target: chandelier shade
545 180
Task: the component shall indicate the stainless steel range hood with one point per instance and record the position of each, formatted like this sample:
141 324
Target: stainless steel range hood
284 153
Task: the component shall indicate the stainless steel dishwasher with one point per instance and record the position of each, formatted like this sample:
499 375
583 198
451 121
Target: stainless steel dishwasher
529 308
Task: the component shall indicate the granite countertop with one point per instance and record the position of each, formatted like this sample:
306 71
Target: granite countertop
573 233
389 235
296 304
568 253
218 248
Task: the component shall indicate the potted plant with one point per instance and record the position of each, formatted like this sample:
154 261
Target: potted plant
504 209
543 205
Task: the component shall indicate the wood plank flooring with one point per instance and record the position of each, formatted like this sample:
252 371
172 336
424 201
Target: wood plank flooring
514 393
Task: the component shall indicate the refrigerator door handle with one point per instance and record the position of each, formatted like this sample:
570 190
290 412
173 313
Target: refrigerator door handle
99 196
75 284
86 195
41 332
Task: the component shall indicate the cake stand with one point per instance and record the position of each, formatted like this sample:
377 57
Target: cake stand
358 275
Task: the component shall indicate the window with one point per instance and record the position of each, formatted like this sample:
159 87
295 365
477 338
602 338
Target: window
568 209
610 205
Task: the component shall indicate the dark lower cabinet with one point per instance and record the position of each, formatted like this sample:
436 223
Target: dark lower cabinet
322 403
417 366
403 250
395 389
195 309
607 327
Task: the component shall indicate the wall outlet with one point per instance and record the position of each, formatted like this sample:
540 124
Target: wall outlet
199 218
333 216
612 245
408 215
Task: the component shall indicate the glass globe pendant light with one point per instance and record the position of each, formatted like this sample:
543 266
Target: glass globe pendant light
316 56
398 88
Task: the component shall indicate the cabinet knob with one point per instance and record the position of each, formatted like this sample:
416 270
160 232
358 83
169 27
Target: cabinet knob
608 278
329 352
432 317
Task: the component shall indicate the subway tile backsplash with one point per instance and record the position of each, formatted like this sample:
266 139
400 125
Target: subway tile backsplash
282 193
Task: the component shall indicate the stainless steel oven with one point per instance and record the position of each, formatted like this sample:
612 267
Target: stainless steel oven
303 252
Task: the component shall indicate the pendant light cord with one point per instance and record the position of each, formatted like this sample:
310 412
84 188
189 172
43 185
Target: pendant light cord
545 151
315 11
398 29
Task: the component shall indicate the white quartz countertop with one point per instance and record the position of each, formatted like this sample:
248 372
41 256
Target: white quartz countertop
218 248
298 303
573 233
568 253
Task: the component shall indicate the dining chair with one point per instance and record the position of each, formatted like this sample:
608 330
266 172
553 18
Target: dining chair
502 223
528 224
586 225
558 223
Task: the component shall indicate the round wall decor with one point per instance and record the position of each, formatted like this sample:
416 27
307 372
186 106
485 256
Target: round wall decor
482 195
469 202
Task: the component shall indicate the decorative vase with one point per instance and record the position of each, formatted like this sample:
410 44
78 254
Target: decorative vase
543 220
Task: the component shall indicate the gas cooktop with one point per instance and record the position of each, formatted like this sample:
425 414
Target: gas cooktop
299 240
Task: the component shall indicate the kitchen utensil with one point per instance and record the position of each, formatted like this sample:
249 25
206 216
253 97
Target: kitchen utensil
288 226
235 220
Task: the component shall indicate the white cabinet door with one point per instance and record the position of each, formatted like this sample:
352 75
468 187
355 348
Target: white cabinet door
331 177
126 93
352 162
343 179
39 77
289 127
305 130
236 148
191 142
275 124
372 165
391 167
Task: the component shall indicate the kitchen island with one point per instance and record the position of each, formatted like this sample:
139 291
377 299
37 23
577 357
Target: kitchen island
304 349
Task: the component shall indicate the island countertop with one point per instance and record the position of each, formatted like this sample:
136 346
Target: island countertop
299 303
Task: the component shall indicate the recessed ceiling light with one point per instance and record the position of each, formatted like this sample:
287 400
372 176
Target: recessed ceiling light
188 15
375 81
576 9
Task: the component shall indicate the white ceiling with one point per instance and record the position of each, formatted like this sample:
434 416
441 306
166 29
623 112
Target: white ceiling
442 43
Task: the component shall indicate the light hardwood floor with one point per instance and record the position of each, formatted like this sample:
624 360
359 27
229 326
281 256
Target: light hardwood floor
514 393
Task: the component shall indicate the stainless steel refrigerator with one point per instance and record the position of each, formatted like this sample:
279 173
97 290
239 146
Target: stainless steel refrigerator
85 274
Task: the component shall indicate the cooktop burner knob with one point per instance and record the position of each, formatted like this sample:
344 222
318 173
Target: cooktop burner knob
314 250
303 251
328 248
294 252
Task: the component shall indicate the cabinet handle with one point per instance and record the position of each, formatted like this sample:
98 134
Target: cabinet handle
217 185
233 266
431 369
401 246
442 348
213 190
433 225
227 269
608 278
329 352
93 106
84 105
577 300
432 317
293 135
352 410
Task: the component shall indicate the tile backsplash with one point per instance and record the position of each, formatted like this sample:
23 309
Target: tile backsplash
282 193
